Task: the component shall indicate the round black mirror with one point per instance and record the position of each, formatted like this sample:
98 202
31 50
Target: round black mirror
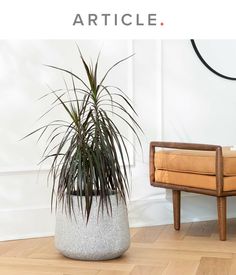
219 56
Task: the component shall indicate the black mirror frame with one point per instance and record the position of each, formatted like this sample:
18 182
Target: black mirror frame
206 64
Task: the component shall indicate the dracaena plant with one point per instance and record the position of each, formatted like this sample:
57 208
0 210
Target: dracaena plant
91 157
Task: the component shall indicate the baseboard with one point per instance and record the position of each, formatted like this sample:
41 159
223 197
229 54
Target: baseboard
40 222
26 223
158 211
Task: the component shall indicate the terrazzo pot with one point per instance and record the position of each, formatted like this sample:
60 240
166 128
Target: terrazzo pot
104 237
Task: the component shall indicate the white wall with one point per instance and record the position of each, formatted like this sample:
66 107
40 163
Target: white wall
24 79
198 105
176 98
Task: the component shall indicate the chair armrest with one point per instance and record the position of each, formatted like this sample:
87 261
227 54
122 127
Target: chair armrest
185 146
190 146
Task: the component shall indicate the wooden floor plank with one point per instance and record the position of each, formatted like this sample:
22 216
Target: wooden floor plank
32 272
108 272
181 267
147 234
169 233
133 231
214 266
145 254
63 265
201 229
150 270
233 265
198 244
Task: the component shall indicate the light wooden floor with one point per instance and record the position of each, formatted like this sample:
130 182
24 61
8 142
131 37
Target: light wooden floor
195 249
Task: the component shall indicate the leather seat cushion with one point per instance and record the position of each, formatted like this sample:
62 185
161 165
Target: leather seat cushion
194 180
195 162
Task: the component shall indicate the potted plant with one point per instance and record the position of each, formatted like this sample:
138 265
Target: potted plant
89 168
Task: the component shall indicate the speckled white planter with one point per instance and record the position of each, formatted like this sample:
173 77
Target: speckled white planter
104 237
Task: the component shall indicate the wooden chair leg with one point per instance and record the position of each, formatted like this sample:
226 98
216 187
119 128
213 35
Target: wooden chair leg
221 207
176 208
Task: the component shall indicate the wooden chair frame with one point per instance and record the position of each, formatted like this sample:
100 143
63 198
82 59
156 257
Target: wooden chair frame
176 189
